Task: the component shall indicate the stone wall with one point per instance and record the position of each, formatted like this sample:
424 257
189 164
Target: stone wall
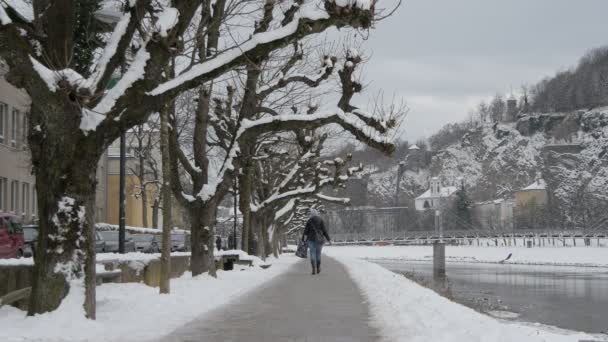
16 277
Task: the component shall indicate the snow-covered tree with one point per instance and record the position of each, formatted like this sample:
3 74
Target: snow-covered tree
74 117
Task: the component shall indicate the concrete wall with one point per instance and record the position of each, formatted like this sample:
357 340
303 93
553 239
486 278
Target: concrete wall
14 278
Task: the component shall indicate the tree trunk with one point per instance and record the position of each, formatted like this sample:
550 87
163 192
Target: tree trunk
65 221
201 223
155 210
144 205
142 178
245 206
165 257
64 164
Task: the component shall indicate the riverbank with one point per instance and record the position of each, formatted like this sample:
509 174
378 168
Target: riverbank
563 256
404 311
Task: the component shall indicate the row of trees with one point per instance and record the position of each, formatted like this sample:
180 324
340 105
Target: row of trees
582 87
233 92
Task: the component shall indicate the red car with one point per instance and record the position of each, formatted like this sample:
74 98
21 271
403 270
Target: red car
12 243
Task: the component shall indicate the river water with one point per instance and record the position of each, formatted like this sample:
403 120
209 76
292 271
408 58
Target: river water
573 298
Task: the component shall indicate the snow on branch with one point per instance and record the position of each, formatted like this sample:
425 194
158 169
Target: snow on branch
348 121
310 18
331 199
110 51
52 78
4 18
22 9
288 207
323 74
135 72
166 20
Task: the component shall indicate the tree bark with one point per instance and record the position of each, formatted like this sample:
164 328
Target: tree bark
165 258
202 220
245 192
155 210
66 198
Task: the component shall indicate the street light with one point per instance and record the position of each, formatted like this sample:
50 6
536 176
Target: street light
234 241
400 172
111 17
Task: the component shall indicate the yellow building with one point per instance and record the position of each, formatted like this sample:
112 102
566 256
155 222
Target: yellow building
133 199
535 193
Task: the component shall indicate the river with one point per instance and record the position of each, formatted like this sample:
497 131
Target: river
574 298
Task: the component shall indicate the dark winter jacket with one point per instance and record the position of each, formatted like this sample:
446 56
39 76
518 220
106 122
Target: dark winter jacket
315 230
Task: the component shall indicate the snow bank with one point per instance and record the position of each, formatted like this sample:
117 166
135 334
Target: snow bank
405 311
17 262
565 256
136 230
136 312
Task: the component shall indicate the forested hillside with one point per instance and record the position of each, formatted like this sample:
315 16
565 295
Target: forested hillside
555 131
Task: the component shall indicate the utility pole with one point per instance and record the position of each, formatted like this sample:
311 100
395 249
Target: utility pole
400 172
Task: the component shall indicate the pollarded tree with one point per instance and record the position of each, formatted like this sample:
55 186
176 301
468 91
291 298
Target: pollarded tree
298 173
73 119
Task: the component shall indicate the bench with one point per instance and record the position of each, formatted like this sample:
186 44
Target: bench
226 262
108 277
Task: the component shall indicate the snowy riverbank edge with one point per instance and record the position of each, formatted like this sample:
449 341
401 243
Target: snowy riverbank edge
405 311
566 256
134 311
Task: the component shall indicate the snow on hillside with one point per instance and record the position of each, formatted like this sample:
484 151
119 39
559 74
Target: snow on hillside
494 162
382 184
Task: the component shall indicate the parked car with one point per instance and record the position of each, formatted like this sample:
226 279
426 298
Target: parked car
110 237
30 235
12 243
100 243
180 242
147 243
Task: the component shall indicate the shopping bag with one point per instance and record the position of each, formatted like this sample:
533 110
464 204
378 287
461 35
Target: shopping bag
302 250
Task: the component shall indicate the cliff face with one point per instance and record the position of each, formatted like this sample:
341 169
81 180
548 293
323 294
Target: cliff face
568 150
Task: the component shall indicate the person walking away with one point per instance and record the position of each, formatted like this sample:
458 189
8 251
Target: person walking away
315 234
218 243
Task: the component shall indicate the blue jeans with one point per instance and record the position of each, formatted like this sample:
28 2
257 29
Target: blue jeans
314 248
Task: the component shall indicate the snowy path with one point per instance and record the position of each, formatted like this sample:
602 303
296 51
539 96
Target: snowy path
295 306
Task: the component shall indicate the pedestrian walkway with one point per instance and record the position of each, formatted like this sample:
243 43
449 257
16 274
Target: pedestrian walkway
294 307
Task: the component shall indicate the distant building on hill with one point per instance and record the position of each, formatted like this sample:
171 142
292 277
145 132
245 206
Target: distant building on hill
530 204
511 113
534 193
494 215
436 196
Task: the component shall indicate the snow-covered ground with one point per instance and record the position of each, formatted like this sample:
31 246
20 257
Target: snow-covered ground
565 256
404 311
136 312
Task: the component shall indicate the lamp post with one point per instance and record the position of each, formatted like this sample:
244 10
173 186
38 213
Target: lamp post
234 241
121 197
400 172
112 17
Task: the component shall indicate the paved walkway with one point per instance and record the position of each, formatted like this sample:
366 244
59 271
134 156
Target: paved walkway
294 307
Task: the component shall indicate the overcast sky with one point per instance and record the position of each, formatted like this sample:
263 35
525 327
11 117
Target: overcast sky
443 56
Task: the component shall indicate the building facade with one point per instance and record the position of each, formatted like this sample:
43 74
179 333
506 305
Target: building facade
17 184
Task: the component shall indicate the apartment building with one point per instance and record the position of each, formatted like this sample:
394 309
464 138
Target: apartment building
17 185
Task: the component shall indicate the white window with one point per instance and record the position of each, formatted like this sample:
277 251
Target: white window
15 197
24 130
25 200
15 128
3 192
3 122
